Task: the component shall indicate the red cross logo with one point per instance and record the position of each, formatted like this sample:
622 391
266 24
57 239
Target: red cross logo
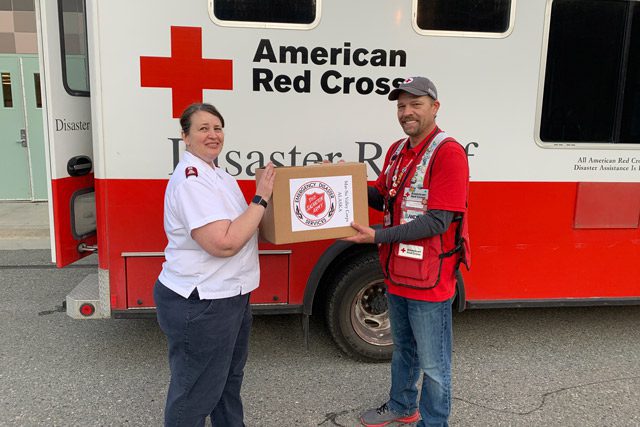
186 72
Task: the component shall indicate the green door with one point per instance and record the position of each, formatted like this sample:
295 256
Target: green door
15 183
35 131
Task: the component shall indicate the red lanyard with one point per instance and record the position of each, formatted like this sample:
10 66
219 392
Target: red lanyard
398 179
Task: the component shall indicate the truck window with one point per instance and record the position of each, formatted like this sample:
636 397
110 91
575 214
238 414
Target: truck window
261 13
73 41
464 16
592 77
83 213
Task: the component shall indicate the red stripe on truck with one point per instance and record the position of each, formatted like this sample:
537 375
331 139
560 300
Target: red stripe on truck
524 243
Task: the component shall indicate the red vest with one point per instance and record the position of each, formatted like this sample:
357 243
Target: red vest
430 257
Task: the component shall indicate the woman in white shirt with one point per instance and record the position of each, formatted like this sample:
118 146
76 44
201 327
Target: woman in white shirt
202 293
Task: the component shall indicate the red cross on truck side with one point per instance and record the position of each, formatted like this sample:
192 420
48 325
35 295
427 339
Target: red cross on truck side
186 72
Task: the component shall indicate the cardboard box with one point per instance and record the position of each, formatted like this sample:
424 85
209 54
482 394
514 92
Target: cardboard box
315 202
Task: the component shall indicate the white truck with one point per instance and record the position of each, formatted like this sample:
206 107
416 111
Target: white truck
544 95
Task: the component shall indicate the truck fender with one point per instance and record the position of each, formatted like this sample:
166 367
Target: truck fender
460 300
338 247
332 252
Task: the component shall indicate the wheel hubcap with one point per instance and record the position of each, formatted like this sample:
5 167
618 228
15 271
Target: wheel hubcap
370 316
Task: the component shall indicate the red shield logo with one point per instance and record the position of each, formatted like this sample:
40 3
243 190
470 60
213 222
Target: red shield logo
314 203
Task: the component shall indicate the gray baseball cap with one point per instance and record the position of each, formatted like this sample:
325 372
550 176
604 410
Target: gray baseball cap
419 86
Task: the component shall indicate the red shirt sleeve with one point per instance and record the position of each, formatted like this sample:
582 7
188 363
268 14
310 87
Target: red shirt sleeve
449 179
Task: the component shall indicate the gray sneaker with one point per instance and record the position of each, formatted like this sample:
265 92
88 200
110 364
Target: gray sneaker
380 417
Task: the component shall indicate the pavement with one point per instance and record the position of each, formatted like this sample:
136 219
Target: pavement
564 367
24 225
511 367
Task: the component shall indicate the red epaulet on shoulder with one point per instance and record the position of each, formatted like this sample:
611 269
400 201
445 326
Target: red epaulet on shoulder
191 171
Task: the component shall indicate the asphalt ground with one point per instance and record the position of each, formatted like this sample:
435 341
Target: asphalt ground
512 367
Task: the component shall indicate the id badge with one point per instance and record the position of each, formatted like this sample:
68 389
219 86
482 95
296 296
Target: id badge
387 218
417 196
413 204
409 214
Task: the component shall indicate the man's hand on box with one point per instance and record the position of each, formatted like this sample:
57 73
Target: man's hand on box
365 234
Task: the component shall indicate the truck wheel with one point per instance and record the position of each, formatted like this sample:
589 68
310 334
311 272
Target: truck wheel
356 310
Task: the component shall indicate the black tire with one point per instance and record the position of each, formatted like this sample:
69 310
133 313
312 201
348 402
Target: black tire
356 309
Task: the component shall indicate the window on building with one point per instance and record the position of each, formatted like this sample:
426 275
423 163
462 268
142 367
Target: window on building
73 28
38 89
7 95
592 77
478 16
266 11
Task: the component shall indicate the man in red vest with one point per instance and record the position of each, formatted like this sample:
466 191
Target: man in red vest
423 192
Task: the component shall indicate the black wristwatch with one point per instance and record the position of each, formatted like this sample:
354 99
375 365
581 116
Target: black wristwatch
258 200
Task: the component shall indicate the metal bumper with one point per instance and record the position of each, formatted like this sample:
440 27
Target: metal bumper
88 291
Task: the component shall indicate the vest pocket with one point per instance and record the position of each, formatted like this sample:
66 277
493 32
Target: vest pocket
418 273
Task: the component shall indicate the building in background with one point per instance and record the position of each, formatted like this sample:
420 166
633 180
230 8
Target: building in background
22 156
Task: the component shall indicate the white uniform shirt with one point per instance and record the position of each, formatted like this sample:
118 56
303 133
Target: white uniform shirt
198 194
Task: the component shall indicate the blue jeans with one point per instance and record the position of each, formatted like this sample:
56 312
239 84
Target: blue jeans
422 336
208 346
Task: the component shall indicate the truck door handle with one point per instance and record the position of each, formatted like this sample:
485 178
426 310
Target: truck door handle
23 137
79 165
